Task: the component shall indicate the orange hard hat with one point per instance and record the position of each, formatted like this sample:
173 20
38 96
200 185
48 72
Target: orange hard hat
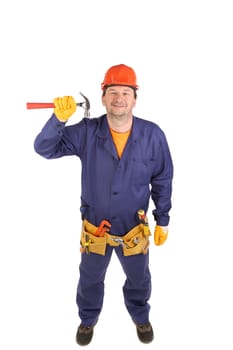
120 75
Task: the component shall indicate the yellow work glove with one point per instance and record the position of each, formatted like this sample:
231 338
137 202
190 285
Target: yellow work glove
160 234
64 107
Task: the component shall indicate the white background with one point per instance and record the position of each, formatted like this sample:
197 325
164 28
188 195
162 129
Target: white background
182 54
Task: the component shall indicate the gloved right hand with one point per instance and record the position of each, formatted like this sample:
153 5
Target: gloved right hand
64 107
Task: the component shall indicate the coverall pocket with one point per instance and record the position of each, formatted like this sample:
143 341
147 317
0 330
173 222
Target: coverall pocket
142 171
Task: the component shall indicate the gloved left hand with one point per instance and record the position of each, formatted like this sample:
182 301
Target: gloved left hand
160 234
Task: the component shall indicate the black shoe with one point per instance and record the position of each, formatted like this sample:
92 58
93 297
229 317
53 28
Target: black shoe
84 334
145 332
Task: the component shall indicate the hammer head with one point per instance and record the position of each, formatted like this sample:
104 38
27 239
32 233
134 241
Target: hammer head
85 105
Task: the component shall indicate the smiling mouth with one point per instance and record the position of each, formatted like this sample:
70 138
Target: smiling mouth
120 106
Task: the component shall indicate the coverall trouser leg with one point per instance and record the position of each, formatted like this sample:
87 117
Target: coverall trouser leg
90 290
136 290
137 287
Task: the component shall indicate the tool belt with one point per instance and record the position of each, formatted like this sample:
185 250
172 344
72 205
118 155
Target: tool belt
136 241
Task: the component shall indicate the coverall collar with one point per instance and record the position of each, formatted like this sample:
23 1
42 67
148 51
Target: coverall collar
104 133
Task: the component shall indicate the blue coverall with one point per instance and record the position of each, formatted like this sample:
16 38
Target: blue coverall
114 189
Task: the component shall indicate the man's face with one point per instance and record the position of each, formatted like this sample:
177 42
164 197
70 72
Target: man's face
119 100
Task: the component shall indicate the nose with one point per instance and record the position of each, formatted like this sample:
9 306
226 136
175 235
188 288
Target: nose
118 100
118 96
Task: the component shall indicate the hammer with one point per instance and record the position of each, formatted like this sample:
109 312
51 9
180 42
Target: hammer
85 104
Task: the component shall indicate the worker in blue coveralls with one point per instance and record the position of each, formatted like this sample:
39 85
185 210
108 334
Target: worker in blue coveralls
125 162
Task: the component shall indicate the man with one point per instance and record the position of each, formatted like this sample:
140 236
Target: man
125 162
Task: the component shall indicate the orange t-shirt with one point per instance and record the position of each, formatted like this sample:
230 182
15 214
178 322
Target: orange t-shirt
120 139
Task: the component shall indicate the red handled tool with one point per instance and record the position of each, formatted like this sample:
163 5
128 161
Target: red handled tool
85 104
103 228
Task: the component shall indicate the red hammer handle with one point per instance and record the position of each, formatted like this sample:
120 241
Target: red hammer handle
36 105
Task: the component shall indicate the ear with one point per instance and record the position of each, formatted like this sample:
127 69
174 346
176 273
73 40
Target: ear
103 100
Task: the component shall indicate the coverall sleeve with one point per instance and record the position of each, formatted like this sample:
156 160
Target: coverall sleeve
56 140
161 184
